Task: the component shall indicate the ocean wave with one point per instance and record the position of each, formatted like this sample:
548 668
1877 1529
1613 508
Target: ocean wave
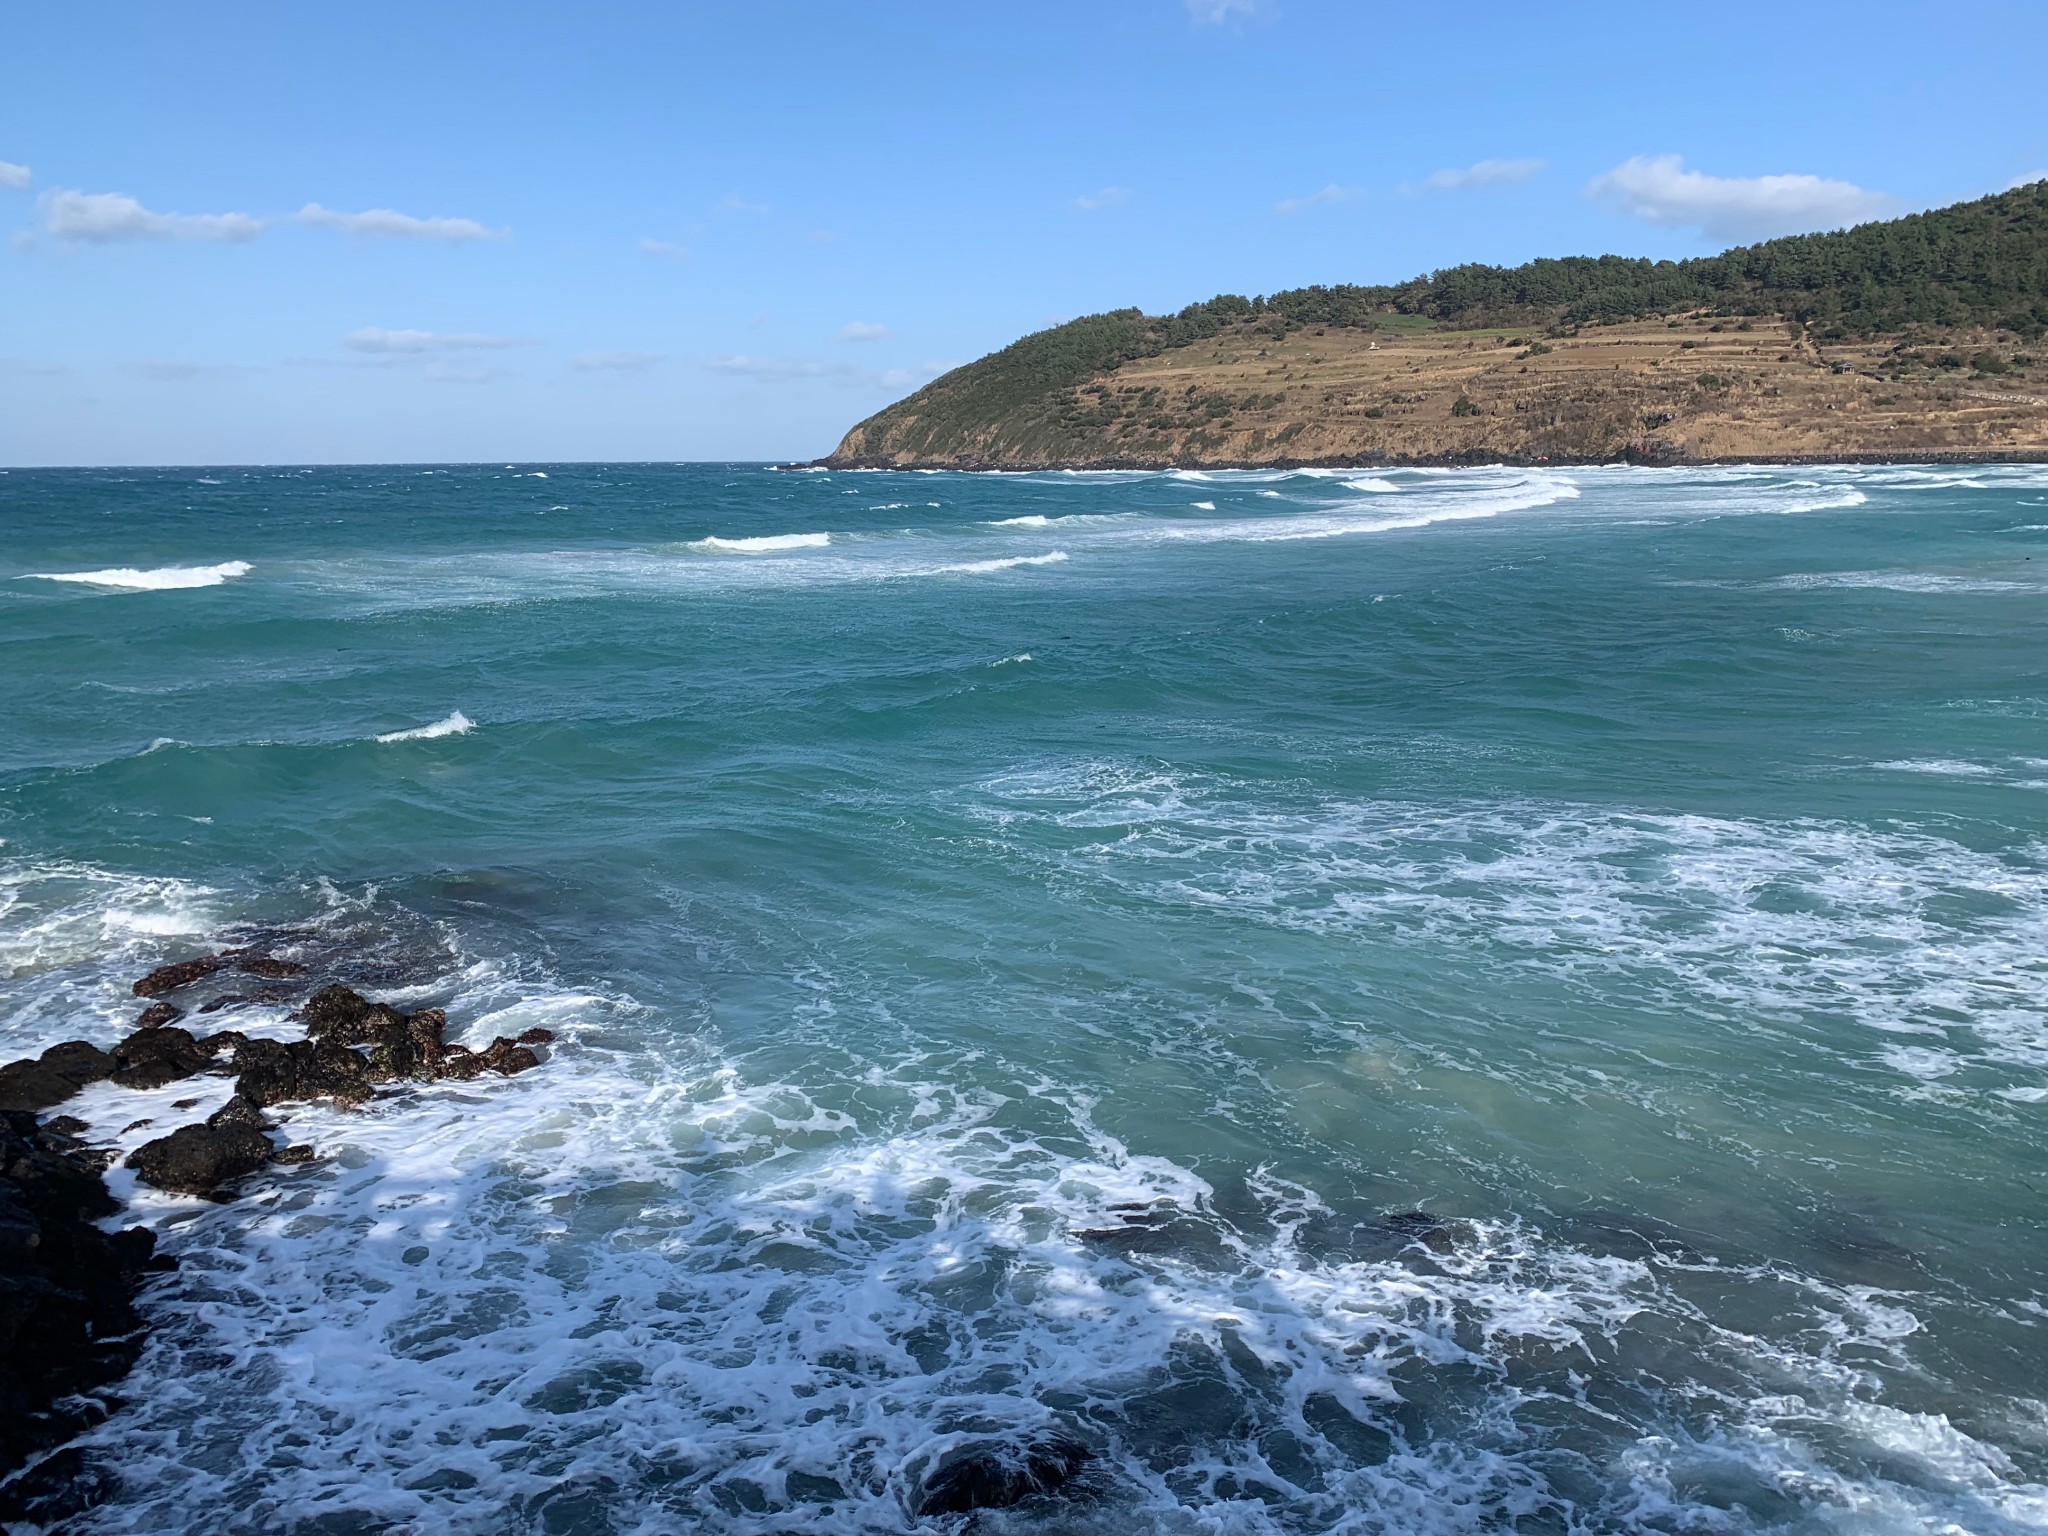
1373 484
1900 581
1829 501
1688 915
1030 520
1950 768
1203 506
766 544
454 724
984 567
167 578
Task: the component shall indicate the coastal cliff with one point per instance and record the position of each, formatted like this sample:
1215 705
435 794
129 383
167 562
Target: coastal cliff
1918 338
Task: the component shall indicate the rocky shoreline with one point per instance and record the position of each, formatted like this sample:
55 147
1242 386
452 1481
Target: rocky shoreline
70 1328
1649 454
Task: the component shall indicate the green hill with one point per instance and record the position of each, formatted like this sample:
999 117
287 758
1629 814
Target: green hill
1979 266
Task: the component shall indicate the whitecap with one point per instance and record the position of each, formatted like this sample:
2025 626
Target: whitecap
1030 520
1012 660
1203 506
1942 766
455 724
166 578
766 544
1373 484
983 567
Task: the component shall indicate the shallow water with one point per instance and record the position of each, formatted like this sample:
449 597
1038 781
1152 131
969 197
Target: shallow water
1016 939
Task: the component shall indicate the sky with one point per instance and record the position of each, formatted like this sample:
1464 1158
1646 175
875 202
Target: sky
451 232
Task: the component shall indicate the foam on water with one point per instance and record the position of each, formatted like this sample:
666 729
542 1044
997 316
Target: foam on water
1791 922
637 1291
168 578
767 544
455 723
1007 563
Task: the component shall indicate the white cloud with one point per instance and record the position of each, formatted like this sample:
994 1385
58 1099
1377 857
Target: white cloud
1484 173
1213 13
1734 208
1105 197
2027 180
1288 206
732 202
614 362
14 177
376 339
667 250
864 330
389 224
99 218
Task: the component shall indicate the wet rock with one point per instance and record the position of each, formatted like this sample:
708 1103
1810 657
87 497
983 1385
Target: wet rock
69 1126
1439 1234
299 1152
181 973
149 1058
537 1037
998 1474
238 1111
68 1325
53 1076
199 1159
274 1072
333 1010
501 1056
158 1014
225 1043
267 966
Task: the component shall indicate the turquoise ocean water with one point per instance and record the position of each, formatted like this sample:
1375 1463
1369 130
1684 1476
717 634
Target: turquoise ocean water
1015 941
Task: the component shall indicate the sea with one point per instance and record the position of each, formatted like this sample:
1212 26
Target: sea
1376 1001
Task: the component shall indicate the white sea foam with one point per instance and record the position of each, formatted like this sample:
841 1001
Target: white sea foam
1945 767
983 567
1790 921
767 544
1827 501
455 724
168 578
1373 484
641 1290
1010 661
1203 506
1902 581
1030 520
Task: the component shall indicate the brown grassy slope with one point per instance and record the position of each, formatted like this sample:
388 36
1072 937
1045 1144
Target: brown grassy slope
1629 390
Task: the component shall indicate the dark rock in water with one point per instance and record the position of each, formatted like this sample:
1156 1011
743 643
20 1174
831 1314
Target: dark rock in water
334 1009
297 1153
267 966
67 1321
159 1014
1439 1234
995 1475
537 1037
53 1076
60 1486
182 973
149 1058
273 1072
501 1056
226 1042
238 1111
67 1126
199 1159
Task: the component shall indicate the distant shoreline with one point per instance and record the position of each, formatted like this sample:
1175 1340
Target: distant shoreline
1476 460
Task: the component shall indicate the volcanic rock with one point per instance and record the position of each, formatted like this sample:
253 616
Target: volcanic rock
158 1014
53 1076
199 1159
273 1072
149 1058
67 1322
182 973
997 1474
268 966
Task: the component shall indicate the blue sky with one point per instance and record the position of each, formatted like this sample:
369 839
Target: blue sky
283 233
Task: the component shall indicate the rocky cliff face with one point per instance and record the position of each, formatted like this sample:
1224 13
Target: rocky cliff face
1698 387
